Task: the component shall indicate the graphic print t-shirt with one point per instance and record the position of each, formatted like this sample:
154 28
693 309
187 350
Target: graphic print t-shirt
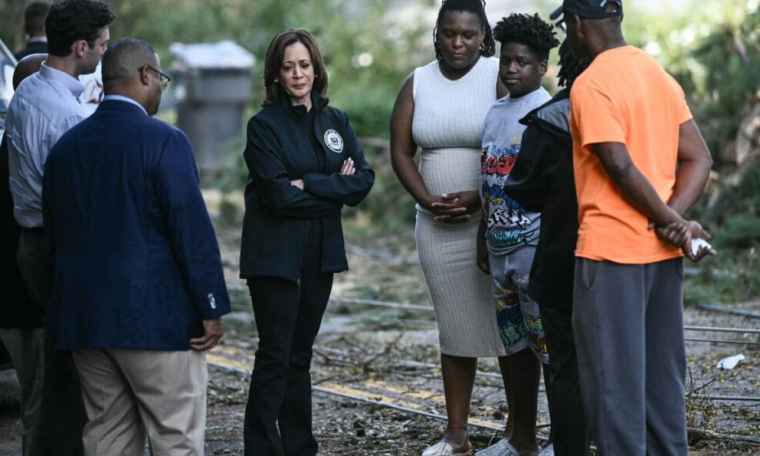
509 226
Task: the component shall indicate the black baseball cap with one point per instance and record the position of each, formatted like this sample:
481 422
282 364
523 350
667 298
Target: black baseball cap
587 9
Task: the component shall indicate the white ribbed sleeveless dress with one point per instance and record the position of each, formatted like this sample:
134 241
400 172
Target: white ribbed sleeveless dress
447 125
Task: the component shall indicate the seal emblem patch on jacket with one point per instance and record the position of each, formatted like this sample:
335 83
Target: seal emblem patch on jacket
333 141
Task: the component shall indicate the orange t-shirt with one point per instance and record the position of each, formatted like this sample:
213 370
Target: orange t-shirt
625 96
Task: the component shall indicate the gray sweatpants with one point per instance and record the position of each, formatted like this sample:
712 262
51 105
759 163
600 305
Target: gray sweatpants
628 324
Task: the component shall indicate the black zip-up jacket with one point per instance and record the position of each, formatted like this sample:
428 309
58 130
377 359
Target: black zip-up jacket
277 214
542 181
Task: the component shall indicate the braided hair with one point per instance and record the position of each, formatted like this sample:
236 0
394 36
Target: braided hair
528 30
570 67
478 7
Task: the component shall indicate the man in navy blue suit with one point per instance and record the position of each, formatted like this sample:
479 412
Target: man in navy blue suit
139 289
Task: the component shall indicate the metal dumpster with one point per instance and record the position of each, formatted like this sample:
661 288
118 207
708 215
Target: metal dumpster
212 89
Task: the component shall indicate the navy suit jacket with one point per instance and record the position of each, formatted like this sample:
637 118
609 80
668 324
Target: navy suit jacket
137 263
37 47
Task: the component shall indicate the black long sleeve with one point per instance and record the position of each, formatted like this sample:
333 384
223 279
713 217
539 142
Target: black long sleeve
272 181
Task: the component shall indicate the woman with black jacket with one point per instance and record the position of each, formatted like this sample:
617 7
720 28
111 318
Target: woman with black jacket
304 163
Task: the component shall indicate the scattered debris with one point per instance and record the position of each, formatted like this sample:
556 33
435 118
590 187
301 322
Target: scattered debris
730 362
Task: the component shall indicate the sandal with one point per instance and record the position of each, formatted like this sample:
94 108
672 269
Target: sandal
446 449
500 448
548 451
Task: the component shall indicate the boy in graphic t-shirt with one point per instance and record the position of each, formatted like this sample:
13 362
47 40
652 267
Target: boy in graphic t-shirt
508 234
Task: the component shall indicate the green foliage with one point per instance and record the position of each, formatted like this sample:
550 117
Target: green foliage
371 46
366 48
713 50
12 14
732 216
388 208
369 49
733 213
736 281
742 231
732 53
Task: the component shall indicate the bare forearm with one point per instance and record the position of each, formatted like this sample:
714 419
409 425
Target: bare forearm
637 190
634 186
482 249
482 228
691 179
409 176
694 163
640 193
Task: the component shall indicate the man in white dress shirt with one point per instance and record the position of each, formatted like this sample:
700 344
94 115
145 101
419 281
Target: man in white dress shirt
43 108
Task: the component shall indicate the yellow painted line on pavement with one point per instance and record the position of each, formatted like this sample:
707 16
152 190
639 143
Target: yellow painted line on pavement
335 388
414 394
487 423
228 364
350 392
234 351
387 401
384 387
425 396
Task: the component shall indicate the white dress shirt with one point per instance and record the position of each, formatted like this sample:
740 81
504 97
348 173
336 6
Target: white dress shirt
43 108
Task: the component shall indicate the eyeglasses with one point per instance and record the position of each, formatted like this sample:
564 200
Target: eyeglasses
165 80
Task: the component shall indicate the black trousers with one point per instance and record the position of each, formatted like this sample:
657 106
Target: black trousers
62 415
288 316
569 428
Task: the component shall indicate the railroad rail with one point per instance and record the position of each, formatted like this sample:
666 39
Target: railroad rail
422 308
384 396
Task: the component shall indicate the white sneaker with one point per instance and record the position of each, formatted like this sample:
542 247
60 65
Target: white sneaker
500 448
548 451
446 449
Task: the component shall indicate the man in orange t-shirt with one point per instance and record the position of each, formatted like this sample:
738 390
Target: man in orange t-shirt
640 163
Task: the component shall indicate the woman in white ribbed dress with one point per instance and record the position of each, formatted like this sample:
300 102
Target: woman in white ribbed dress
441 108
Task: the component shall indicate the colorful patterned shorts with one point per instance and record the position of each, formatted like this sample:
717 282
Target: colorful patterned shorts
518 317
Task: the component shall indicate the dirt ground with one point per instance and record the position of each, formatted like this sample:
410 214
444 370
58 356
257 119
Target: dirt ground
387 355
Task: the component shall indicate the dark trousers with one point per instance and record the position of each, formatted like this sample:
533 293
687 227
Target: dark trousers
288 316
62 416
628 325
571 436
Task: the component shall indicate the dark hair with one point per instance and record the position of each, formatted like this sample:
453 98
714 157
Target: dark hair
74 20
273 63
27 67
478 7
124 57
34 17
528 30
570 67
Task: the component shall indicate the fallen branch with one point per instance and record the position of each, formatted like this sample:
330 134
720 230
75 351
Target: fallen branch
388 348
728 310
710 435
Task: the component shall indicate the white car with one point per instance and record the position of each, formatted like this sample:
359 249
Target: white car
7 65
